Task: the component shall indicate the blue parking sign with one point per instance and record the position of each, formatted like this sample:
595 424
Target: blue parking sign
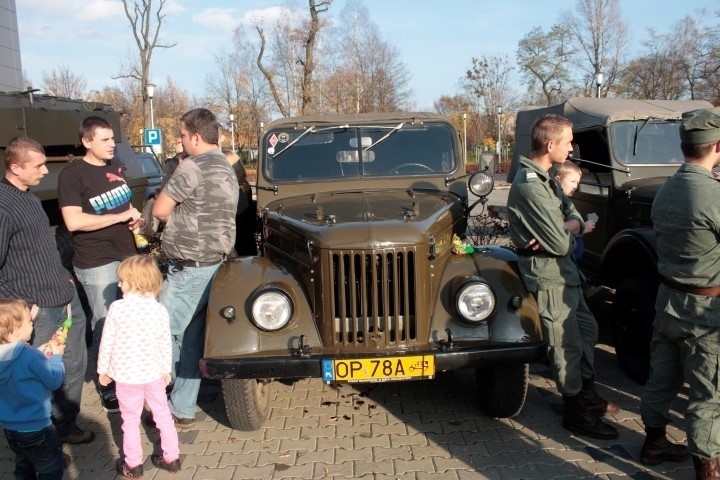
153 136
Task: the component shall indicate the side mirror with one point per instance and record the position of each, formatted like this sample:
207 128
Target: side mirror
576 151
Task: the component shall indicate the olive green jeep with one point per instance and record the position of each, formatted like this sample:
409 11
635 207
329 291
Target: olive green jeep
361 277
626 149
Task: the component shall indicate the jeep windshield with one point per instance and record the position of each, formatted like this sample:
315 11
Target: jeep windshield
647 142
343 151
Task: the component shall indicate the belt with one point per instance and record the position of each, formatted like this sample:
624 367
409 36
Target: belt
193 263
703 291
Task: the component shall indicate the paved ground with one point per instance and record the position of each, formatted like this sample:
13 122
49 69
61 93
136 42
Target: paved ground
404 430
395 431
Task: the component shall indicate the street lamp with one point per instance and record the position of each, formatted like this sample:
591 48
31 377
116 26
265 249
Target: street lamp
232 131
598 82
465 137
499 141
150 88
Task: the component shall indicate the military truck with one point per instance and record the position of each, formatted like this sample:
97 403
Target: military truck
55 122
357 280
626 150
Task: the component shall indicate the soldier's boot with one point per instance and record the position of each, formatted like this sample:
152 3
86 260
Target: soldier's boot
707 468
594 402
578 419
657 448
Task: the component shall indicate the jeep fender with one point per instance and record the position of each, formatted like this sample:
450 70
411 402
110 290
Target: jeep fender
498 267
630 253
231 288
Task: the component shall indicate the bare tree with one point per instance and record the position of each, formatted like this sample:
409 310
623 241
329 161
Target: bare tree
62 82
146 22
698 45
489 79
543 58
287 42
369 75
239 88
658 74
602 39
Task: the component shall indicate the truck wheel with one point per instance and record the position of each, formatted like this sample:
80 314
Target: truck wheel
502 389
152 222
246 402
634 312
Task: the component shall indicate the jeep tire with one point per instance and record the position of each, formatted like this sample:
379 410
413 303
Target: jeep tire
502 389
247 402
633 315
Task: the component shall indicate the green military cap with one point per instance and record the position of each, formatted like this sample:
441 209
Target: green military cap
700 126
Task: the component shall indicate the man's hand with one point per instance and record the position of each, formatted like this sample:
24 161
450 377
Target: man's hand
589 227
137 226
534 246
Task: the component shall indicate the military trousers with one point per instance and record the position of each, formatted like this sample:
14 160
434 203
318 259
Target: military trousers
572 332
680 352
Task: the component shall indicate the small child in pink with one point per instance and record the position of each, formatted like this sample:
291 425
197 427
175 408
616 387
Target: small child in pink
135 352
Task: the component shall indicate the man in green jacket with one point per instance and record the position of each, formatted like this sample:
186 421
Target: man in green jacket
686 335
545 222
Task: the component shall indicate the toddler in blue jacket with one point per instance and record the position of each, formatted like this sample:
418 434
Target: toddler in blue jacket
27 379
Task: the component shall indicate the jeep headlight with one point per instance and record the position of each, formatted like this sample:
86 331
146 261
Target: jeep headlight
271 310
481 184
475 301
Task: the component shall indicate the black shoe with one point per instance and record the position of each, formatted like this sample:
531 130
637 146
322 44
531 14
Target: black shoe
657 448
124 470
162 464
78 436
109 402
181 422
578 419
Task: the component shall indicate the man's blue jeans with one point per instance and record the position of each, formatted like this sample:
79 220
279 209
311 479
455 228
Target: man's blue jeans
101 288
185 296
66 399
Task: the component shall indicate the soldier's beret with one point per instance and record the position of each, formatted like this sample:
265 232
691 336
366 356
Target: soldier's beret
700 126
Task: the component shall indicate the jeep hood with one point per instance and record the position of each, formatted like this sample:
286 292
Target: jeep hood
365 219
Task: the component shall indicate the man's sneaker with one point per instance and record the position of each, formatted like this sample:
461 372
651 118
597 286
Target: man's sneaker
109 402
160 462
181 422
124 470
78 437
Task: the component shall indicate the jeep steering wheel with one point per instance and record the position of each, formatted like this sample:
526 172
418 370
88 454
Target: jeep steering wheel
407 165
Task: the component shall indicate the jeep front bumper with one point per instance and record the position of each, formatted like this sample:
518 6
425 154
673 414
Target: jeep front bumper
457 356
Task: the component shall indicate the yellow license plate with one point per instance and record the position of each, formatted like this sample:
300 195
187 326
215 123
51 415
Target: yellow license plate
378 369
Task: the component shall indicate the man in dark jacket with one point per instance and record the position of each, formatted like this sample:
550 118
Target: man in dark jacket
30 268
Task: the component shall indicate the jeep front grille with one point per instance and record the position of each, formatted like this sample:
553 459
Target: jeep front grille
373 298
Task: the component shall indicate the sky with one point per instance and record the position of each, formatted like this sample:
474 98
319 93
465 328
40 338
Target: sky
436 39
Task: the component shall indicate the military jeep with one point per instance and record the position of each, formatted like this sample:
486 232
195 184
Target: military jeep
626 149
357 280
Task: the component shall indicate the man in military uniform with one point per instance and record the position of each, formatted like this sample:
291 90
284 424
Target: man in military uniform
544 220
686 337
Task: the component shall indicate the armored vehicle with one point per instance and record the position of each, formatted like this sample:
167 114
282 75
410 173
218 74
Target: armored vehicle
626 150
357 280
55 122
